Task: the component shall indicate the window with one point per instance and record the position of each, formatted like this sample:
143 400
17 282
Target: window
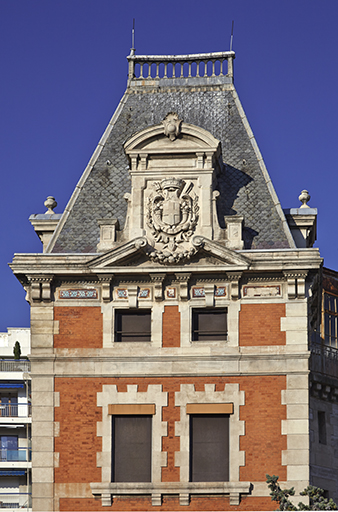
331 320
8 404
209 448
132 325
321 427
131 448
9 448
209 324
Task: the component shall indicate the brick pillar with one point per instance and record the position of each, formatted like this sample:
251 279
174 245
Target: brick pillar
171 327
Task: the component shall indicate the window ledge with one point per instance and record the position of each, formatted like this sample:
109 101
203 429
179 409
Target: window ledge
108 489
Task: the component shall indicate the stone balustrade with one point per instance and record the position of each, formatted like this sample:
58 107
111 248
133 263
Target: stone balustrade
198 65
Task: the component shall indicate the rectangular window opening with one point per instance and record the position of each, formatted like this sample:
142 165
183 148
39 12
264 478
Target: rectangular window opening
209 448
209 324
321 427
131 454
132 325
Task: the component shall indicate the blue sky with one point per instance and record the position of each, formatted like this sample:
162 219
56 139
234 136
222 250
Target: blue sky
64 71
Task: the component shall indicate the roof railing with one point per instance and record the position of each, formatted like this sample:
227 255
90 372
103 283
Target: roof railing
196 65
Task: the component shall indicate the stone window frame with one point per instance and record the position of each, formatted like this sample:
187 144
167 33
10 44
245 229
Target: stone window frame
108 313
121 313
113 401
196 333
186 310
210 400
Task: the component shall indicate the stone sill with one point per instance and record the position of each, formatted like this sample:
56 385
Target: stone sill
184 489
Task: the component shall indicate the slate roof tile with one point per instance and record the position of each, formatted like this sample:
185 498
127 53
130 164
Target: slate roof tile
241 183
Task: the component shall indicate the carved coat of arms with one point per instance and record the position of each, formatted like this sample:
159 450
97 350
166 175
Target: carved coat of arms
172 215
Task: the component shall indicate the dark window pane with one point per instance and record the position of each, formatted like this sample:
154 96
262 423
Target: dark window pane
209 325
131 449
133 325
321 427
209 448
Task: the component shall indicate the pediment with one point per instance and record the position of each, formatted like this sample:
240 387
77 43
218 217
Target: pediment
189 138
120 255
137 252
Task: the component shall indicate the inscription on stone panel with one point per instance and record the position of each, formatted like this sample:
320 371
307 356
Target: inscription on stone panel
262 291
78 294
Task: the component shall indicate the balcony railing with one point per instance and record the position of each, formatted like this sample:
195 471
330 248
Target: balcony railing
15 365
324 359
17 410
12 501
198 65
19 455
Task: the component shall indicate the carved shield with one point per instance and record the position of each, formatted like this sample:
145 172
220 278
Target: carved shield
171 213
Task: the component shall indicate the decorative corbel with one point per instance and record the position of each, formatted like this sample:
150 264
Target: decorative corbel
296 283
156 499
209 291
105 281
234 278
301 277
291 280
184 498
183 280
234 498
158 279
40 288
132 296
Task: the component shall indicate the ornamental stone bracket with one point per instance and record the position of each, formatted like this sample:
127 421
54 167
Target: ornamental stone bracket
183 280
40 288
296 283
234 278
105 281
108 490
158 279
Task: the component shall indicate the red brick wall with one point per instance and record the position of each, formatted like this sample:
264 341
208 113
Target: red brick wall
263 441
171 327
259 324
77 444
169 503
79 327
78 414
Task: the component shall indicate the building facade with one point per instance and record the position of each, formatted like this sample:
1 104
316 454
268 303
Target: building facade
172 311
15 421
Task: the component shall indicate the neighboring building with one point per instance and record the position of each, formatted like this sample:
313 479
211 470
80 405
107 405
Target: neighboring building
172 312
324 390
15 421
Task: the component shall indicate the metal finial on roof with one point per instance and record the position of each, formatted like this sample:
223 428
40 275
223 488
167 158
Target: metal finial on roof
304 198
132 49
50 203
232 35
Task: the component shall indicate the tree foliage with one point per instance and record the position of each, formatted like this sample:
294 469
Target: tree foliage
315 494
17 350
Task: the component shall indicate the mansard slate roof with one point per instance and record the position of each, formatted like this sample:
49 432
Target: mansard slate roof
211 103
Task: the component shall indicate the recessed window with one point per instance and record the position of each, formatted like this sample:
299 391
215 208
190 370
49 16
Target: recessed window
131 460
321 427
209 324
209 448
132 325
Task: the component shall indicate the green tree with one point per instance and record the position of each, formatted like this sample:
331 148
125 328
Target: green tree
315 494
17 350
